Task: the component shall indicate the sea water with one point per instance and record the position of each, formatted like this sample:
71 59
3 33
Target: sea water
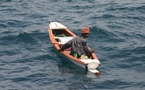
28 61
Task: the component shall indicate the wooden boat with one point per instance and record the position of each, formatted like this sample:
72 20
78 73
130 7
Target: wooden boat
59 35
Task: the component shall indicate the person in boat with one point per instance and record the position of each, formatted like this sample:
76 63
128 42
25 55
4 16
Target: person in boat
79 45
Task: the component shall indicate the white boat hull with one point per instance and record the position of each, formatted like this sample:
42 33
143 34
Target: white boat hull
91 65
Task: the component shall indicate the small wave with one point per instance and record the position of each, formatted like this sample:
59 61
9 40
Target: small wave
132 12
7 39
16 23
25 37
3 25
117 83
104 35
2 1
83 6
107 16
140 50
128 8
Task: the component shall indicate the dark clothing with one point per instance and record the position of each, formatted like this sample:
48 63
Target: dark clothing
78 45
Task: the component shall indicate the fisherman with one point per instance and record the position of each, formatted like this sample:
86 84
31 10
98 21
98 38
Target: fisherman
79 45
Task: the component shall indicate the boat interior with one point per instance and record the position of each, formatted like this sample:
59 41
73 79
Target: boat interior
60 33
62 36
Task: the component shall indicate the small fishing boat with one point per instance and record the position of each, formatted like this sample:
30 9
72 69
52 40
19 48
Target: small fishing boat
59 35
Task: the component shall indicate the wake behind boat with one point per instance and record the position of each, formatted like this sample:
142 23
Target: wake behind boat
59 35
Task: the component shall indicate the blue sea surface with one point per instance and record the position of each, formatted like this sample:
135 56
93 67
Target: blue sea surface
28 61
